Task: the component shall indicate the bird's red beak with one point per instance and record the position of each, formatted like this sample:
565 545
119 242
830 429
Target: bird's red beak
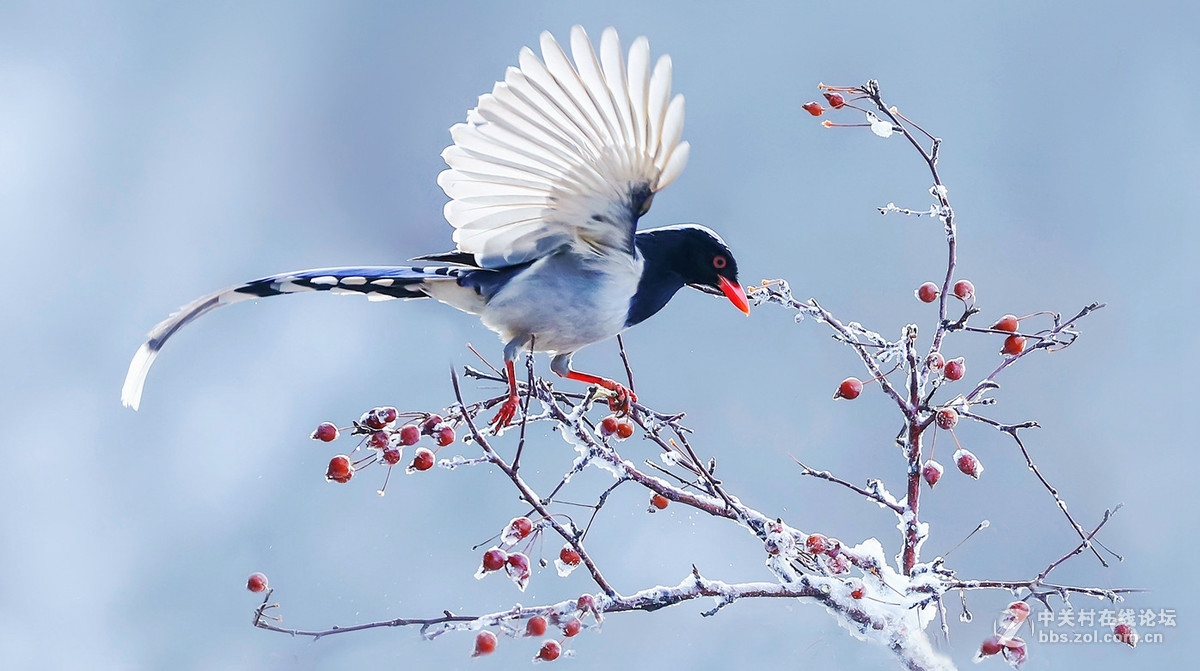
735 294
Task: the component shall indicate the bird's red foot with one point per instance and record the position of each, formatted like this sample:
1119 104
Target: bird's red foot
622 399
507 411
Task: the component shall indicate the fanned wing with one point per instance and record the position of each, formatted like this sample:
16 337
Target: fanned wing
564 153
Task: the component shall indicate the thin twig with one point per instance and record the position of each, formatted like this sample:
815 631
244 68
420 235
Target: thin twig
873 496
625 360
529 495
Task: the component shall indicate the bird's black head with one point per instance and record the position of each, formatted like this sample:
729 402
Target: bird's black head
689 255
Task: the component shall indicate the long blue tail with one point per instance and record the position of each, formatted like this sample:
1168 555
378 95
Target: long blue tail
374 282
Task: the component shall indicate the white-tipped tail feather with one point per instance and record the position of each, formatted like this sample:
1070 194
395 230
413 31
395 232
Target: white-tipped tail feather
374 282
135 378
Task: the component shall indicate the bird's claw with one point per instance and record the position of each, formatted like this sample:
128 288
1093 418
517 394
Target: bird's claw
621 399
507 411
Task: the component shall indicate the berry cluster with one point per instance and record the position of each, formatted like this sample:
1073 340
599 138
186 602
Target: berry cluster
829 554
1003 641
942 371
615 425
569 622
385 433
520 531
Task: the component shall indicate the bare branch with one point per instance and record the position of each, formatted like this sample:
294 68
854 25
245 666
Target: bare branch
875 495
528 494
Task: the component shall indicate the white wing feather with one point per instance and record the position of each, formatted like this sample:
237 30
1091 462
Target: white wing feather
564 152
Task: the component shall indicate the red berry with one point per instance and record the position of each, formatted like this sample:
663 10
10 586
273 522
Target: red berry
422 460
325 432
378 440
536 626
485 643
572 627
445 436
813 108
777 542
520 527
955 369
857 588
964 289
550 651
1123 632
818 544
608 425
409 435
659 501
947 418
835 100
991 645
838 564
936 361
518 568
430 424
586 602
1015 651
377 418
931 472
569 556
494 559
257 582
1006 323
849 389
392 457
928 292
624 429
968 463
1016 613
1013 345
339 469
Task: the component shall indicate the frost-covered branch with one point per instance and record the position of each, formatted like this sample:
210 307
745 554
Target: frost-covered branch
875 491
527 493
1042 590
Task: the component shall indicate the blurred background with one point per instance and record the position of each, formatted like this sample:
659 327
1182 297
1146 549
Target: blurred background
153 153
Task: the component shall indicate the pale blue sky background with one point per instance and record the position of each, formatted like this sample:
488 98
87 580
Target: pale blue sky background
150 154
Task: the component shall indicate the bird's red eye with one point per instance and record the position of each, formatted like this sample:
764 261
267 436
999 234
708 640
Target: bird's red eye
719 262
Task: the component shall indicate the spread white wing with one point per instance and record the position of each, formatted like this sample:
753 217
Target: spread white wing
564 153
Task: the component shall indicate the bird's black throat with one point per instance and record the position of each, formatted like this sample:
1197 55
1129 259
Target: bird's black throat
668 255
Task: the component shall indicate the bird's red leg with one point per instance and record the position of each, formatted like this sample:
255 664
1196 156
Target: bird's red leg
509 408
623 395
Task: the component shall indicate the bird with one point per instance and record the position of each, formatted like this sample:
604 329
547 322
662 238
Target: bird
547 179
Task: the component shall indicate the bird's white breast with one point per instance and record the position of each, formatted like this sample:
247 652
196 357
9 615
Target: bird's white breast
566 301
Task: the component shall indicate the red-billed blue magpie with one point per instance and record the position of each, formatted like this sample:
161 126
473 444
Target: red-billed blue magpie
547 180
